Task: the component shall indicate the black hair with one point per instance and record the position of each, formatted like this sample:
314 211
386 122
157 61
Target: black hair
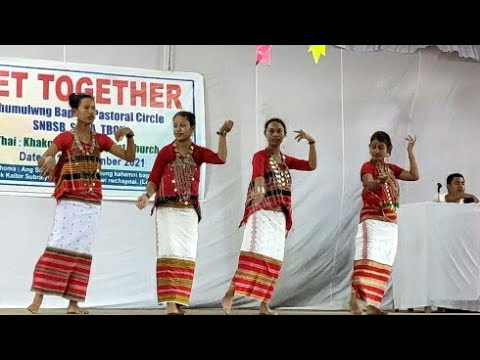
188 115
453 176
280 121
382 137
74 99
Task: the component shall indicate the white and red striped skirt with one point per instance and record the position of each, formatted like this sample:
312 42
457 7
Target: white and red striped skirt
375 250
177 237
64 267
261 255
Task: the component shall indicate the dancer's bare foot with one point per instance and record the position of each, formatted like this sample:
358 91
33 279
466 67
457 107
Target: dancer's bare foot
372 310
227 300
74 309
36 303
353 303
227 303
174 309
33 308
265 309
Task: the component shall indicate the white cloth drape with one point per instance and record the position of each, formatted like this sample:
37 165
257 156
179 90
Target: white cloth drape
465 51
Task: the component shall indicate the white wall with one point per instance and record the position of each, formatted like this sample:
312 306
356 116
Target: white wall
341 101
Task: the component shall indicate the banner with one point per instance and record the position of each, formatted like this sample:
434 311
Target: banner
34 109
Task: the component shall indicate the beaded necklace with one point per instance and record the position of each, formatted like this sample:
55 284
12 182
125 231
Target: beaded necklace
281 176
87 176
384 171
184 170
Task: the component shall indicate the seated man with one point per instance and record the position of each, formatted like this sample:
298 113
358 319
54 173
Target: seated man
456 191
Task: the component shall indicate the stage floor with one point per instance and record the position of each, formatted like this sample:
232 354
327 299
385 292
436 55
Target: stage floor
203 311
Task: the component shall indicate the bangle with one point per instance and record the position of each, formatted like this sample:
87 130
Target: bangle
146 194
222 133
311 142
130 135
261 190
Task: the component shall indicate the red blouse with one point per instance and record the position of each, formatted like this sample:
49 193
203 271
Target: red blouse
276 196
381 204
69 176
162 175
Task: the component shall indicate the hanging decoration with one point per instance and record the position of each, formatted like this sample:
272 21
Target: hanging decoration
316 51
263 54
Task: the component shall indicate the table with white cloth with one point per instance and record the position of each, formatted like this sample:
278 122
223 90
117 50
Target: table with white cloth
438 258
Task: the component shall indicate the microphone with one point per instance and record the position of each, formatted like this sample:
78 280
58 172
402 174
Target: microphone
439 186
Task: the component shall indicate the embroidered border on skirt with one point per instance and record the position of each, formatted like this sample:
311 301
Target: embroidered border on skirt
174 280
63 273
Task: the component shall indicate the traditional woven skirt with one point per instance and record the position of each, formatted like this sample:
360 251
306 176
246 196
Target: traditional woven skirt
375 250
261 255
64 267
177 237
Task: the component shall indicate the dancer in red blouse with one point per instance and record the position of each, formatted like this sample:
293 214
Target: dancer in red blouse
175 179
267 218
64 267
377 236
